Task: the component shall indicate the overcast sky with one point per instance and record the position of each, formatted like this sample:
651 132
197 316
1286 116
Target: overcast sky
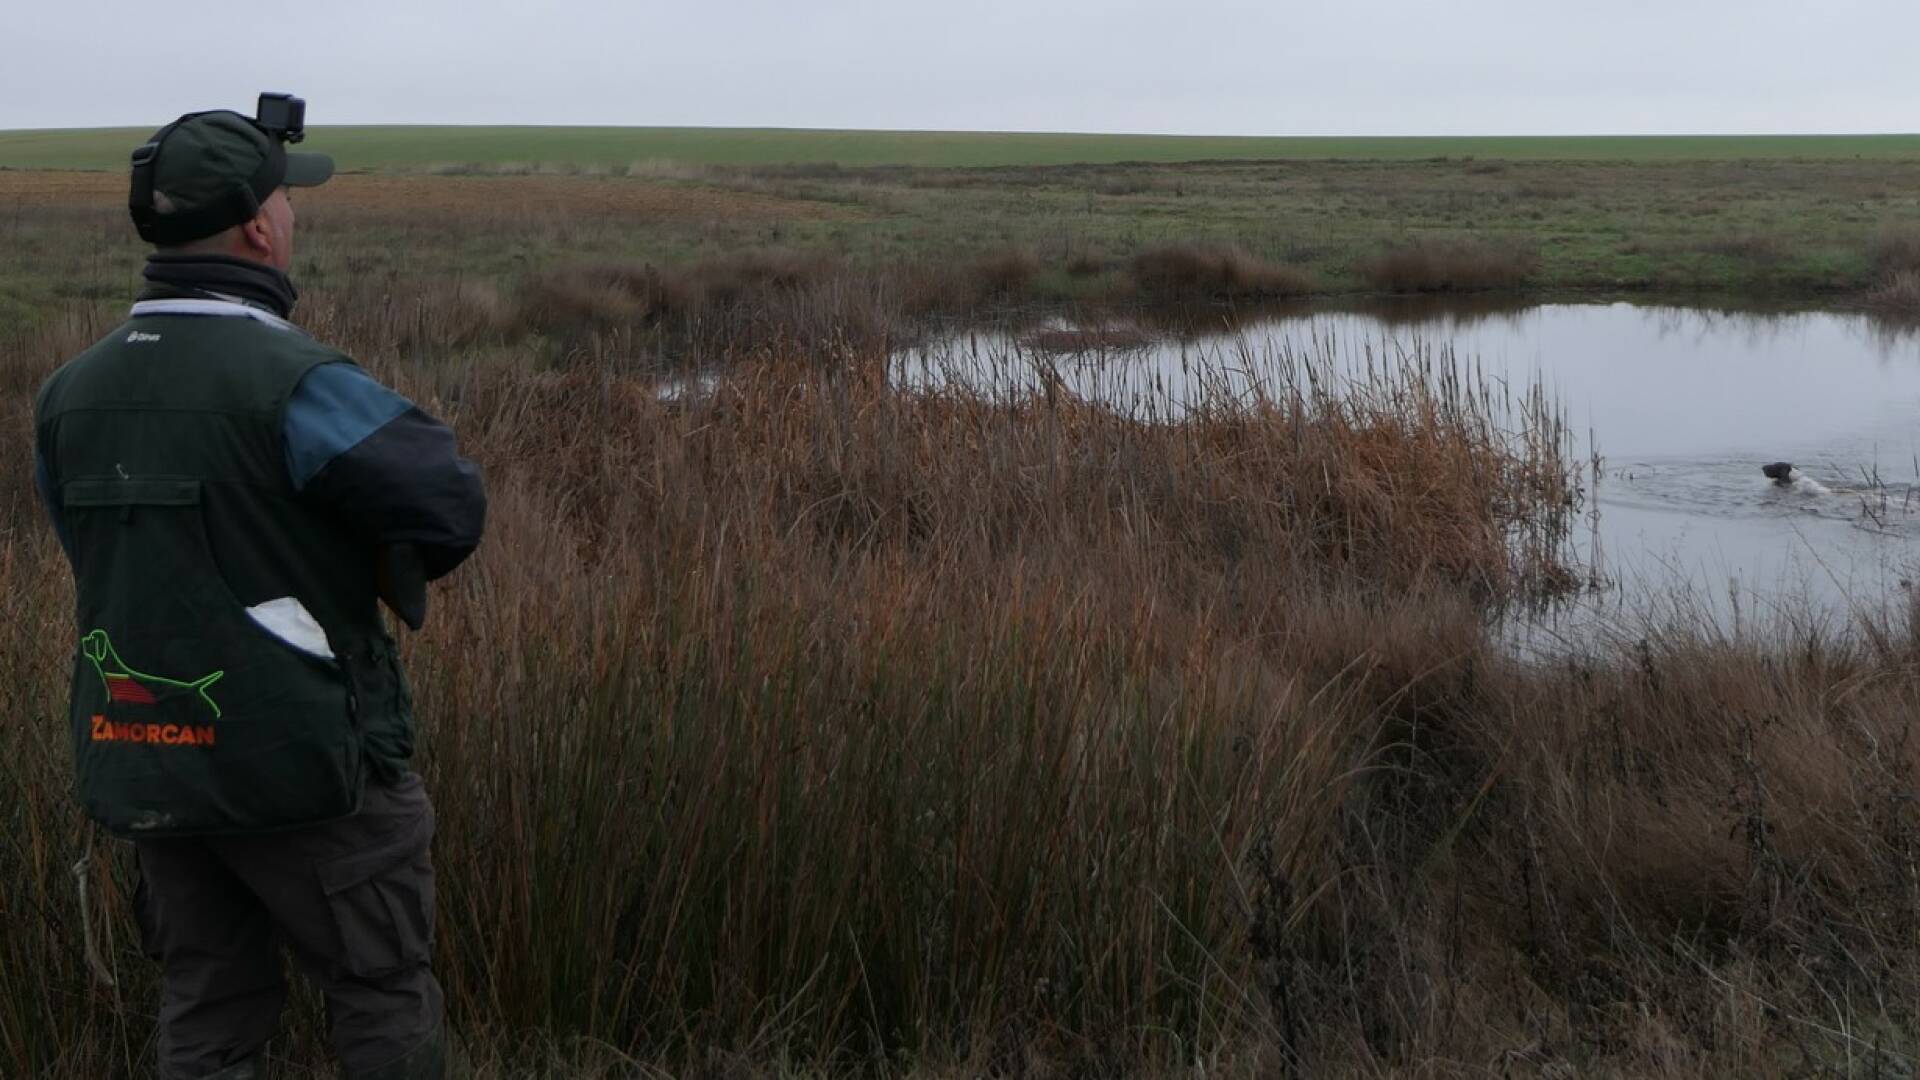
1283 67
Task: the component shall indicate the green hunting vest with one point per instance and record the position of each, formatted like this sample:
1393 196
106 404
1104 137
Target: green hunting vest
189 715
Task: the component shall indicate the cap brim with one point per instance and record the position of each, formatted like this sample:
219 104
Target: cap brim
307 170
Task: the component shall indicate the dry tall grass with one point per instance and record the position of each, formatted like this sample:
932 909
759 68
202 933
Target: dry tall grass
1450 266
806 725
757 292
1185 271
1895 252
1894 258
1899 294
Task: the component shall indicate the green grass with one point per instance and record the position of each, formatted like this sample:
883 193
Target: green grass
396 147
1808 233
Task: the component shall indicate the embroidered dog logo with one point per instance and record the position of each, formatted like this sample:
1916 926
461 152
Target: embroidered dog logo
129 687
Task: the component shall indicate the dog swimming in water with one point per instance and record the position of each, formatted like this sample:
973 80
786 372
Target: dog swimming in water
1783 474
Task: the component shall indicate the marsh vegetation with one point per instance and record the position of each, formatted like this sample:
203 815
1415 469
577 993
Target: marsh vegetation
808 726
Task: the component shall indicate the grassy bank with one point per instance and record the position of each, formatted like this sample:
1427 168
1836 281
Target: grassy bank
428 146
1833 234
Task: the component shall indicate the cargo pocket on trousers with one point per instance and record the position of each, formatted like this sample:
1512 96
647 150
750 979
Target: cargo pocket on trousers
382 903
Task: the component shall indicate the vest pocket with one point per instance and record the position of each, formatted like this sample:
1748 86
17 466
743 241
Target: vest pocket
189 717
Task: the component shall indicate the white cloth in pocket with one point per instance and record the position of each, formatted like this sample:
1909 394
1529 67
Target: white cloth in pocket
290 621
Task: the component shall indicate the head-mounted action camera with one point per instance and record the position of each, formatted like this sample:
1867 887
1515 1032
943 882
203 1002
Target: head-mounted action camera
283 116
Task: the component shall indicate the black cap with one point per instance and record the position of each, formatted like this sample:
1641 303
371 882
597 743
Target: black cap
207 172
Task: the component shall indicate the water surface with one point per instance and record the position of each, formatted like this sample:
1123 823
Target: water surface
1683 407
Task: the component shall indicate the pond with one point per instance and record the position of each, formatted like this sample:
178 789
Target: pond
1681 406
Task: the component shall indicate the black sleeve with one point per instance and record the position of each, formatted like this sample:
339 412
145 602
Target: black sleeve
406 483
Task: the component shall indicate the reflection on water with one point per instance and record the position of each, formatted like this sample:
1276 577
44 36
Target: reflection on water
1683 407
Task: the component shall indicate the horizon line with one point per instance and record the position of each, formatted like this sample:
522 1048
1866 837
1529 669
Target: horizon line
1024 132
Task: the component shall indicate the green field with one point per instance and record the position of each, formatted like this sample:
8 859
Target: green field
397 147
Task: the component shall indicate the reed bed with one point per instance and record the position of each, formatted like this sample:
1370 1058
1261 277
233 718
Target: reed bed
827 718
1899 295
1214 273
1451 266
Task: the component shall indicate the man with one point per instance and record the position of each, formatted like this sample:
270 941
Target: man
234 499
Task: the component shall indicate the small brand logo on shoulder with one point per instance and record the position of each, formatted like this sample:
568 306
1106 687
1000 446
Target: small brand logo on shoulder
137 337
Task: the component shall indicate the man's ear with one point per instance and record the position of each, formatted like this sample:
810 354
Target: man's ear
257 236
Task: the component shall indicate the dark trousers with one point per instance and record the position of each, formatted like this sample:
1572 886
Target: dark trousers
352 900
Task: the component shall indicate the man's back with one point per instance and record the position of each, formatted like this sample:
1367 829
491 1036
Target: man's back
236 500
165 445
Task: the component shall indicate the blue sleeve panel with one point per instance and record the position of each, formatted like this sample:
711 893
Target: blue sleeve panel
388 469
50 498
332 411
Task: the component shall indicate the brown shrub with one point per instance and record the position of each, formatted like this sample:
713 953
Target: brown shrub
575 297
734 279
1003 273
923 287
1898 294
1892 252
1450 266
1195 271
1086 264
